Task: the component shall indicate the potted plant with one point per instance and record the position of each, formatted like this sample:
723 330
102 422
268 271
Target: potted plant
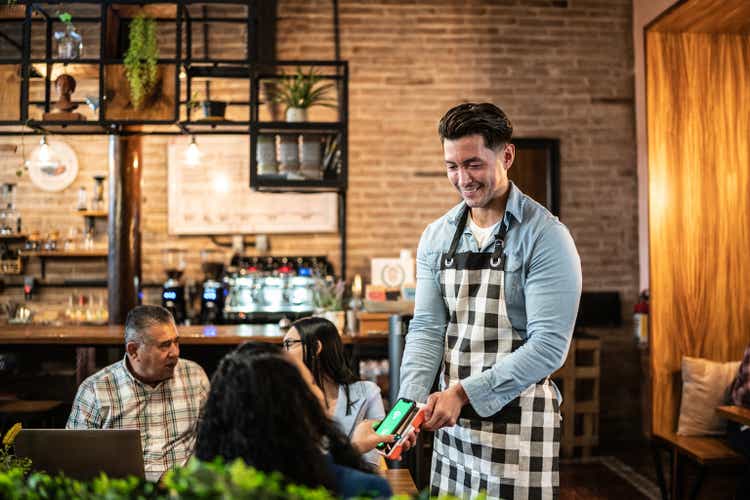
301 91
328 297
69 42
140 60
212 109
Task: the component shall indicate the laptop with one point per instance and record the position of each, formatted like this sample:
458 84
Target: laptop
83 454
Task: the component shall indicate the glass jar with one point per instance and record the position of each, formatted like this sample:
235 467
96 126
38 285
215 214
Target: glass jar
69 43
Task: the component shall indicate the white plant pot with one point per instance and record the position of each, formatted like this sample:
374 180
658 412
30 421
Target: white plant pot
296 115
338 318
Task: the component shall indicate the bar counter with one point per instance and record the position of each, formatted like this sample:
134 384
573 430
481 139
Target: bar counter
189 335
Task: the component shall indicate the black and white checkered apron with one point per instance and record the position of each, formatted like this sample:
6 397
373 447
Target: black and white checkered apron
514 453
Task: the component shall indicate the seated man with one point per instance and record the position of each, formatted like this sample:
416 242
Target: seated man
739 435
150 389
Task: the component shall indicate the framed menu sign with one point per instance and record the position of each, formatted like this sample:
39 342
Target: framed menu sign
215 196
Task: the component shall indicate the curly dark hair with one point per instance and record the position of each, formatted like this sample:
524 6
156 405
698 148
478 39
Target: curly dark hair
332 361
470 118
261 410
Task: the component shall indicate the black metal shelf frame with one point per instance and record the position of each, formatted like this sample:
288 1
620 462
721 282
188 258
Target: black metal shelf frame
250 67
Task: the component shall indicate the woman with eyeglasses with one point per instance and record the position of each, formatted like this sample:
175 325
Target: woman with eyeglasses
316 342
263 409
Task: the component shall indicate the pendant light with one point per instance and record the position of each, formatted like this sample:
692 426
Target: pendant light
193 154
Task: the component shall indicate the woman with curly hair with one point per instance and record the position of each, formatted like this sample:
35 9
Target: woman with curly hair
260 409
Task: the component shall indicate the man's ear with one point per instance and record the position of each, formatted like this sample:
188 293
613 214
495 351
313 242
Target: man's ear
132 349
318 347
508 155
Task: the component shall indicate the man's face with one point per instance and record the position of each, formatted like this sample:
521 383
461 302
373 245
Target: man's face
154 359
476 171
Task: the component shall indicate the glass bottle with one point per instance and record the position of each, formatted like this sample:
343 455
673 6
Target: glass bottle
10 222
82 199
69 43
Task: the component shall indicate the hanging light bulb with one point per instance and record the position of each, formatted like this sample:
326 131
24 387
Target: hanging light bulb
44 152
221 183
193 154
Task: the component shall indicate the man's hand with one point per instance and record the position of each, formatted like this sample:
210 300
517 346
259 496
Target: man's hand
443 408
364 437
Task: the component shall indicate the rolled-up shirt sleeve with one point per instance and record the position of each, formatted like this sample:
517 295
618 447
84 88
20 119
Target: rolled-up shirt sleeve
552 292
423 353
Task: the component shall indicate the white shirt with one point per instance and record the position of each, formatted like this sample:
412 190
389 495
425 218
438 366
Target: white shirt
481 234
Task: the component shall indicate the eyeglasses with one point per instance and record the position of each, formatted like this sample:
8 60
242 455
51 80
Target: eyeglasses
289 343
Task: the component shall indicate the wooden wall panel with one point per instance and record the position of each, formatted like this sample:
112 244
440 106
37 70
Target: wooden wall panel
699 210
706 16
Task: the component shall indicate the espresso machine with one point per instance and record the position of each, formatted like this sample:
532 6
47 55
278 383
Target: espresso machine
267 289
173 290
212 290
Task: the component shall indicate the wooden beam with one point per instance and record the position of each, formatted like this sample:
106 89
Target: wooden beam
123 225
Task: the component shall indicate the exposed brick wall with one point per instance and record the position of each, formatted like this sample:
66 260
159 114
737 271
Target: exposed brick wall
559 69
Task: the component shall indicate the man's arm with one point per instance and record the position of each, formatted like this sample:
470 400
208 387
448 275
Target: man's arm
423 353
552 291
85 413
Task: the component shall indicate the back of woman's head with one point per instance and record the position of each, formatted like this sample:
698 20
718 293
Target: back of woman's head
260 409
331 361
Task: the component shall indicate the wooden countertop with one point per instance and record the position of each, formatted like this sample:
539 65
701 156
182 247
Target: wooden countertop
189 335
401 482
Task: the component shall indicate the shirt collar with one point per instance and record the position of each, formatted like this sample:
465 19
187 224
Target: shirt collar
129 375
513 206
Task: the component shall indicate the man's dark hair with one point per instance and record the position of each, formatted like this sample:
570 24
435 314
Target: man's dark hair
484 119
141 318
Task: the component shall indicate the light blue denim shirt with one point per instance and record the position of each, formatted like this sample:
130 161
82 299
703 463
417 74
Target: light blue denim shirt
542 291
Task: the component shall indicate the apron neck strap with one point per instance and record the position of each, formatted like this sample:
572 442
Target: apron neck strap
499 237
500 240
459 232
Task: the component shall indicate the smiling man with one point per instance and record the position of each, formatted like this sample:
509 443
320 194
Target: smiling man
150 389
498 286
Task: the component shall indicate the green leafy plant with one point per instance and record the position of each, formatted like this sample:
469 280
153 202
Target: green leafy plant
328 294
196 480
140 60
235 480
303 90
65 17
8 461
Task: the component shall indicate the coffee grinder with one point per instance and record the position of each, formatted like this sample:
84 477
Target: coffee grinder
173 290
213 291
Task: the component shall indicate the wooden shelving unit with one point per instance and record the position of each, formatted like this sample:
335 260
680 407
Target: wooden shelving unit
43 255
75 254
92 213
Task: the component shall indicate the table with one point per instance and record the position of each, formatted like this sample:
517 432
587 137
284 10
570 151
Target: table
401 481
736 413
79 335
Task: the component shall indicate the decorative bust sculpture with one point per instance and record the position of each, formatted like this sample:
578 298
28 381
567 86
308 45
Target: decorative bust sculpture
65 85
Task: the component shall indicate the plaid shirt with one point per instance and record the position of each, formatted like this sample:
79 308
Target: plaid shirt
740 390
166 415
